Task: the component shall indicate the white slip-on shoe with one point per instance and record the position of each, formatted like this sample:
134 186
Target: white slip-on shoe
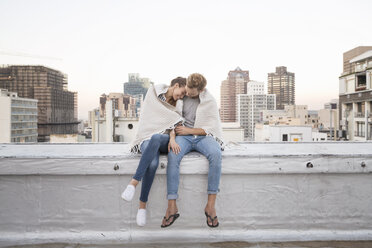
128 192
141 217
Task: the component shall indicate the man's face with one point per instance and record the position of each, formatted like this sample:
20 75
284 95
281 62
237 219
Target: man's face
192 92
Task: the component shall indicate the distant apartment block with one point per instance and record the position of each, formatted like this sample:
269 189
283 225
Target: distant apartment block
235 84
57 107
282 84
313 119
110 127
355 94
18 118
122 105
328 119
290 115
329 122
250 107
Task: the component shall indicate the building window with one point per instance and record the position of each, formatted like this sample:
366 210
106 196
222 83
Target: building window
361 82
130 126
360 132
285 137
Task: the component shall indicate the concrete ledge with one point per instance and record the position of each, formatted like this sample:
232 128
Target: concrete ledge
269 193
243 158
180 237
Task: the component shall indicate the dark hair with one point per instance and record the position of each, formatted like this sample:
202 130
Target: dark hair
180 81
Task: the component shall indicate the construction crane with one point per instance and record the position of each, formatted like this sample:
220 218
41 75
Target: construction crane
18 54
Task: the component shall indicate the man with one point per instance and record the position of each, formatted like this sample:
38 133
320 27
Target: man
201 132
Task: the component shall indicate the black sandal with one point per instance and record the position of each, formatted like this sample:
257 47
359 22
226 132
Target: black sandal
175 216
212 220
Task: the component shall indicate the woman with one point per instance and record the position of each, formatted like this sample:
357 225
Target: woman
155 135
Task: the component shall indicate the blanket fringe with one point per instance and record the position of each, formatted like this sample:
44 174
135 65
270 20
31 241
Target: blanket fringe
135 149
219 141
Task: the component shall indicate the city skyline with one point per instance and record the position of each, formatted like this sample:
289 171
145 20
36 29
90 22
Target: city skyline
98 43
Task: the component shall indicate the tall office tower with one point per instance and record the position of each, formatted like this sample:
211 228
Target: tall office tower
250 107
236 83
136 85
56 105
355 95
282 84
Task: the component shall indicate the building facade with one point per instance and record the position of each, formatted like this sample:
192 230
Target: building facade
136 85
329 122
18 118
355 95
282 84
313 119
57 106
232 132
283 133
250 107
235 84
290 115
122 105
333 104
110 128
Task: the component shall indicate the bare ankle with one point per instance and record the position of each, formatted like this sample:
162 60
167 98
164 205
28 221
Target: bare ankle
142 205
134 182
172 204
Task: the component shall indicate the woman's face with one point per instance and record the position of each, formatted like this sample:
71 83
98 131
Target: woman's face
178 92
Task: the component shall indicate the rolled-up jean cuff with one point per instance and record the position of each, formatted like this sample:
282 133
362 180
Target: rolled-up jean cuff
212 192
136 178
172 197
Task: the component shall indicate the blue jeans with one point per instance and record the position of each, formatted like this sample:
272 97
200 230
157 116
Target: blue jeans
207 146
149 162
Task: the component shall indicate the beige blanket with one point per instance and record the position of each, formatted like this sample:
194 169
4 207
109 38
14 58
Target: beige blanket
208 117
156 117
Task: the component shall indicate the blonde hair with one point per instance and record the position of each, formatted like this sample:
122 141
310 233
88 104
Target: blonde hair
196 80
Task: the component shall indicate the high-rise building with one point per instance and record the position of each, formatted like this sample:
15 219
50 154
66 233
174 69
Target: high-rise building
282 84
18 118
136 85
236 83
355 94
136 88
56 105
250 107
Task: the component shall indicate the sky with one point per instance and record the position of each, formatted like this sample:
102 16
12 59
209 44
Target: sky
97 43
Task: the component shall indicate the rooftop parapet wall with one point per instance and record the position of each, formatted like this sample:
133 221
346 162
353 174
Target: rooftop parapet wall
52 193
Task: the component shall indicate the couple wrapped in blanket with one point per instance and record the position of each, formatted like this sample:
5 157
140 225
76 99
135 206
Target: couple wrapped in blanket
177 119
